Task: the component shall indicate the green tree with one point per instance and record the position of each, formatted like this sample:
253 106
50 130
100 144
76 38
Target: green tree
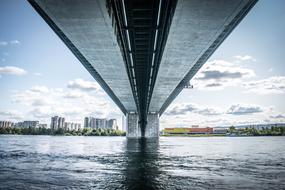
232 129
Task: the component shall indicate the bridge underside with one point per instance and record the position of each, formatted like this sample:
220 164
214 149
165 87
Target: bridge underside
143 52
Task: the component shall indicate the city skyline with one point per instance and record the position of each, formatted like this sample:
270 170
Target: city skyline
245 78
57 122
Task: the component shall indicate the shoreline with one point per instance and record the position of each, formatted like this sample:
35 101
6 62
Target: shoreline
190 136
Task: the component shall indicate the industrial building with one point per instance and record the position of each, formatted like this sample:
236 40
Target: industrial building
192 130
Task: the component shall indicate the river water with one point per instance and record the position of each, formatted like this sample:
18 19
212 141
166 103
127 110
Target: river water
48 162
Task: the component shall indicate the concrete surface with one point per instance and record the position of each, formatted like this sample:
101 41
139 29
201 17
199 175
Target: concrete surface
88 26
195 26
134 130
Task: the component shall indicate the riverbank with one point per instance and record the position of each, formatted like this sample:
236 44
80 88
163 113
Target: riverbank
274 131
61 132
194 135
218 135
236 132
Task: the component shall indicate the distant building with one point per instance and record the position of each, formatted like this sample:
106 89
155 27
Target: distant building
192 130
54 123
27 124
86 122
220 130
32 124
18 124
99 123
67 125
61 121
57 122
72 126
77 126
112 124
43 126
6 124
92 123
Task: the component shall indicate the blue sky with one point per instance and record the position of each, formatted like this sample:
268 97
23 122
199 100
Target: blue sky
40 77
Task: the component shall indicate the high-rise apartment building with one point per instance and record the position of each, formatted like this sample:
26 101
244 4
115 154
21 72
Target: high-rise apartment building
54 123
99 123
61 121
86 122
32 124
27 124
6 124
112 124
92 123
57 122
43 126
72 126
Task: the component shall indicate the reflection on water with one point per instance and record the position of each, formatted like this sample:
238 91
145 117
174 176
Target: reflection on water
44 162
142 169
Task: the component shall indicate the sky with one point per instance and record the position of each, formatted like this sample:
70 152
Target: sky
243 82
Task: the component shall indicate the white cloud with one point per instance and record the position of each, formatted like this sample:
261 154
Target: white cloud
279 116
11 70
218 74
36 96
239 109
73 94
11 114
41 89
245 58
15 42
3 43
182 109
43 112
12 42
209 111
83 85
43 102
38 74
46 112
185 115
236 109
272 85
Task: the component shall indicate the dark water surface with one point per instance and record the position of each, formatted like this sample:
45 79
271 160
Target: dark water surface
45 162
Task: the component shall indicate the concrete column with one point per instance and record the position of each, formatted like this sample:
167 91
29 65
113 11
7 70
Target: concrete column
152 126
134 129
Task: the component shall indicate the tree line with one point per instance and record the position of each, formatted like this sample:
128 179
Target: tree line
61 131
250 131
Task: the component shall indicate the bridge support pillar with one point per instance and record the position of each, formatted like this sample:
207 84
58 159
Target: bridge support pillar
134 128
152 126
